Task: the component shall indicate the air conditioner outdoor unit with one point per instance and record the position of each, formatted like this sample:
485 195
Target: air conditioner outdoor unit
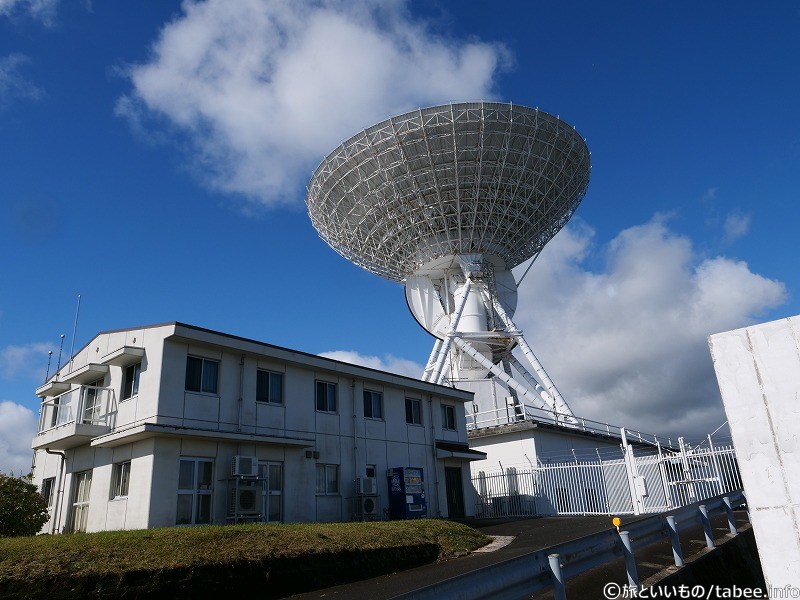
244 466
249 498
368 506
366 485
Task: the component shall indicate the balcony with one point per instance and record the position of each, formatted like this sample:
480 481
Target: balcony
76 417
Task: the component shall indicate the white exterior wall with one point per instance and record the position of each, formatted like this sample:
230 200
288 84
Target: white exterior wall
758 370
190 421
525 448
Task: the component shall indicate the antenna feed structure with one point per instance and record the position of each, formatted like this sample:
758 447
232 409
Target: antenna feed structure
447 200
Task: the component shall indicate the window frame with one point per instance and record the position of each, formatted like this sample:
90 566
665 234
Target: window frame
50 489
326 400
327 491
195 491
201 389
270 376
134 391
121 480
448 417
410 411
373 398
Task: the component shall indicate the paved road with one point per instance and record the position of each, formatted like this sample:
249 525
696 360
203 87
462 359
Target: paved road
530 535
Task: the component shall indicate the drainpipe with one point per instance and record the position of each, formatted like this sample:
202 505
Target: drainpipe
433 450
241 392
59 488
355 430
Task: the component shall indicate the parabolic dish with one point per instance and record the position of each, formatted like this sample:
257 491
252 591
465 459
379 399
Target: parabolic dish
470 178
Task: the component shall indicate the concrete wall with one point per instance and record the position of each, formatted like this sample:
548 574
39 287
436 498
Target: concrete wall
758 370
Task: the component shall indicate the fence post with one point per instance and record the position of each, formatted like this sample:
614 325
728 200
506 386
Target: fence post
731 519
677 552
687 471
706 526
631 473
715 461
559 590
630 561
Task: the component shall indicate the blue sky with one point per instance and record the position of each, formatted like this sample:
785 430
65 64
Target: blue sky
154 156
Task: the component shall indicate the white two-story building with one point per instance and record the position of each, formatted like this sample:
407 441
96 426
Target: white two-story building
174 424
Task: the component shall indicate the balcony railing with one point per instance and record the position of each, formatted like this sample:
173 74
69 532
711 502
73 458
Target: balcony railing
84 405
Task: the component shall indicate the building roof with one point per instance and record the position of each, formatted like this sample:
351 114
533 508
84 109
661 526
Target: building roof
205 335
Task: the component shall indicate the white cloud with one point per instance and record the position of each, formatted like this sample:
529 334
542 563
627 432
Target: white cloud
264 90
736 225
17 428
43 10
627 343
12 84
392 364
29 360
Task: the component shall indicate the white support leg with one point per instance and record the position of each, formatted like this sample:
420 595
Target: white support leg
560 405
436 376
521 390
426 374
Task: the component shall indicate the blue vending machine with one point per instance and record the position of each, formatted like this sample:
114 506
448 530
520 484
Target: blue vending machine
406 493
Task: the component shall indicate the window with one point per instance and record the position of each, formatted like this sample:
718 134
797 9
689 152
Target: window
371 470
373 405
448 416
92 402
130 387
48 485
413 411
269 387
326 396
194 491
201 374
327 479
82 484
121 479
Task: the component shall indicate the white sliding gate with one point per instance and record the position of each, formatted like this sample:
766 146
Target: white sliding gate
649 482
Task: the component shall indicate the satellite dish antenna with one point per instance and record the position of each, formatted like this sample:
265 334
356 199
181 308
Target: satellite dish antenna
448 199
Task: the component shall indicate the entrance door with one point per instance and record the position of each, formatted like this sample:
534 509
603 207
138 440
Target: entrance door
272 474
455 492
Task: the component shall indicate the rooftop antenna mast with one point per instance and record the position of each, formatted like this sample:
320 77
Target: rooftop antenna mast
49 359
60 348
74 329
448 200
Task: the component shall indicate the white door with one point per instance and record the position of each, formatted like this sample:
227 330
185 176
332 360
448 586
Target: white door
272 474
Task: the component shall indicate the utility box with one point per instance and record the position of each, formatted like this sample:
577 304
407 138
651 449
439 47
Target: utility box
407 493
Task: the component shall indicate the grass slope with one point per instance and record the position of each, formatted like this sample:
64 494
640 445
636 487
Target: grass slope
283 554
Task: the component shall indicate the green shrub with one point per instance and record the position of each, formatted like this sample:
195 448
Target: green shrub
23 511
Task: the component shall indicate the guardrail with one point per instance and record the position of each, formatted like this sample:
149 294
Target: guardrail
551 567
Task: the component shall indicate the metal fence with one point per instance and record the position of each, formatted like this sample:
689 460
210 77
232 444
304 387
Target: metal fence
639 482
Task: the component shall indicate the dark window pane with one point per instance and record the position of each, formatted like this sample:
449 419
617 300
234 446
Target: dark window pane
204 475
276 388
367 404
184 516
320 479
203 509
186 476
320 396
137 368
210 369
262 386
194 373
331 397
275 478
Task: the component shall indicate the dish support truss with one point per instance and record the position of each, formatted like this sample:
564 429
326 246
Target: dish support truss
467 348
